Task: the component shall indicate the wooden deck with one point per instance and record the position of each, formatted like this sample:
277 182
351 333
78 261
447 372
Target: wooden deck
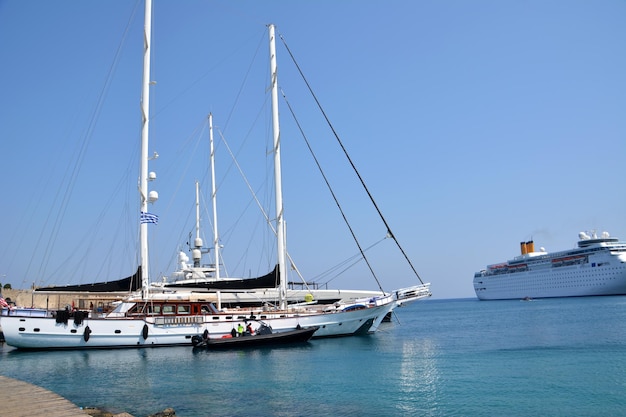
21 399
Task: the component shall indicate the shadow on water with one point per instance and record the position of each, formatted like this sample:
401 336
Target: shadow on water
253 350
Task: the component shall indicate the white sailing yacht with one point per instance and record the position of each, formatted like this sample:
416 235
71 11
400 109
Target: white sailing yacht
148 319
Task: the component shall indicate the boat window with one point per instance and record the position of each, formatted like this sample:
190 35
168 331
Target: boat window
168 309
184 309
153 309
123 307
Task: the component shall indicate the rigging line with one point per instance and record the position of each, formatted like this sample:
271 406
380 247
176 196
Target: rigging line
189 146
351 261
350 160
263 211
245 137
83 260
84 254
243 83
83 148
342 271
195 82
245 179
332 192
211 248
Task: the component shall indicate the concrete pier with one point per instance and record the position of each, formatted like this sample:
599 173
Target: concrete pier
21 399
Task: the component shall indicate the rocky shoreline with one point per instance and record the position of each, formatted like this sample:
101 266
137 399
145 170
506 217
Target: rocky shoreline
96 412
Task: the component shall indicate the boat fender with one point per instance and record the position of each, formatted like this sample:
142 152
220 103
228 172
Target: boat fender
86 333
205 335
196 340
62 316
79 316
144 332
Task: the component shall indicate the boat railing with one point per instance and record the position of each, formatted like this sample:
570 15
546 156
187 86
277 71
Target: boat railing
26 312
416 291
381 300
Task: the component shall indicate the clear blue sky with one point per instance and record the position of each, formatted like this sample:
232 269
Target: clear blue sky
476 125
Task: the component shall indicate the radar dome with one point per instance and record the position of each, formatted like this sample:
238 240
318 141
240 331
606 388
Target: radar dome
182 257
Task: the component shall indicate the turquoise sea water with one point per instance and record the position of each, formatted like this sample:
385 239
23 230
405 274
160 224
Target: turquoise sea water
557 357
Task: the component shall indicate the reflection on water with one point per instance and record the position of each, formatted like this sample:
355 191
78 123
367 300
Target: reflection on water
419 376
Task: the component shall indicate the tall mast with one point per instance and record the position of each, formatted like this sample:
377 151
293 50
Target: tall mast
143 179
216 245
196 253
280 224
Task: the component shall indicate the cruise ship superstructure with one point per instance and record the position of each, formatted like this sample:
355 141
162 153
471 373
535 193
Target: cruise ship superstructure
596 267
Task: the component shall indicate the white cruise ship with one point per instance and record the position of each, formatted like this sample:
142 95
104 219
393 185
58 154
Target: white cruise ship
596 267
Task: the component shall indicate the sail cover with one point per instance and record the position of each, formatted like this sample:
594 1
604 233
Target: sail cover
271 280
131 283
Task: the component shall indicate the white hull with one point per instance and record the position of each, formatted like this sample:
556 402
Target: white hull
121 330
45 333
574 282
272 295
596 268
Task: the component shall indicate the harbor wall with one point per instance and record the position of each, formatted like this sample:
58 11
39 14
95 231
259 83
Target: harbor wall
100 302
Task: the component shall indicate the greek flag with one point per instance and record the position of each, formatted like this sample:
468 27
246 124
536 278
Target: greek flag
149 218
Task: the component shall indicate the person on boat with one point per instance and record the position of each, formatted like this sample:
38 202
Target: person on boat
240 330
249 329
4 303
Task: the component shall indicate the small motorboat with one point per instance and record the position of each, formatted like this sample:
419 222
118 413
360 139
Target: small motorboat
263 336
